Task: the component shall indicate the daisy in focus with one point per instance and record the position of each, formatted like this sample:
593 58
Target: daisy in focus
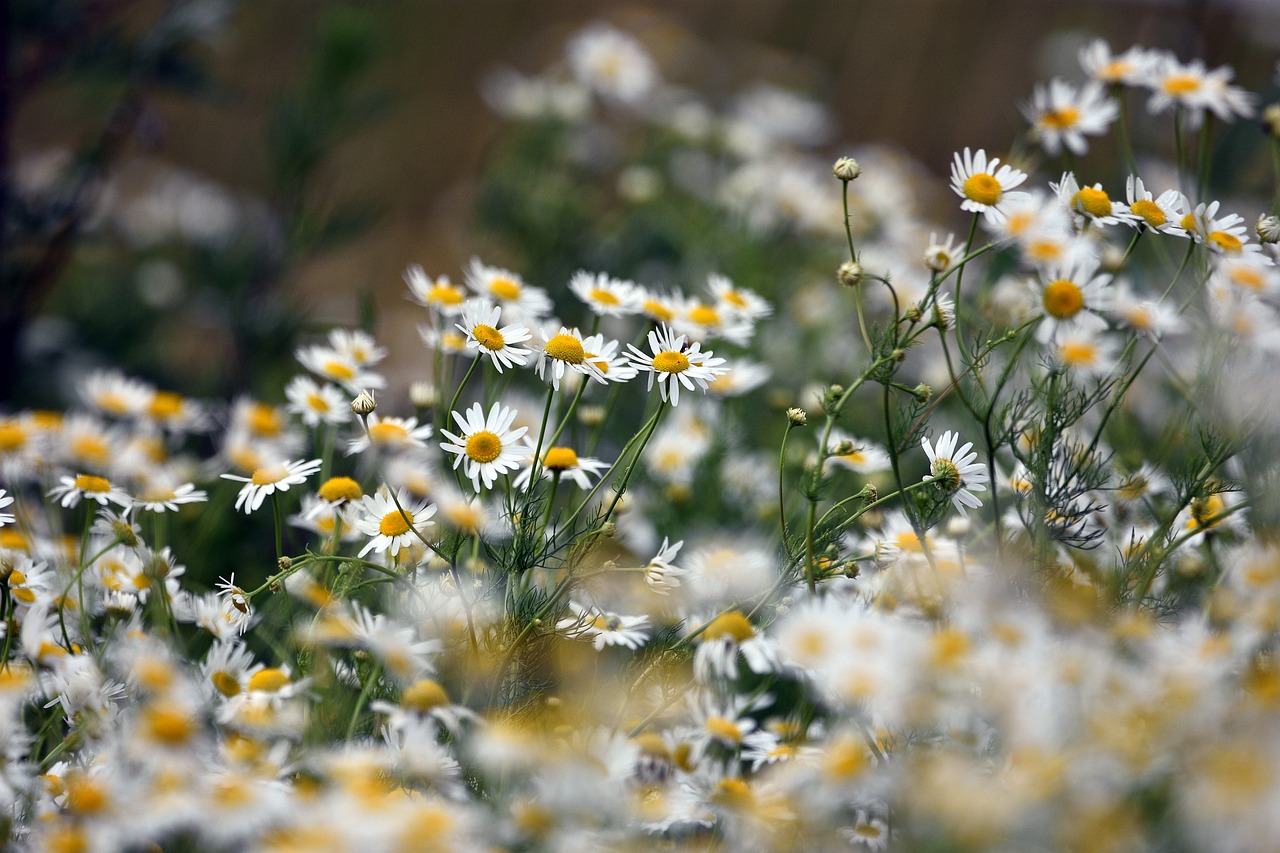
1159 213
985 185
565 351
392 528
955 471
480 324
487 444
675 362
1062 115
269 479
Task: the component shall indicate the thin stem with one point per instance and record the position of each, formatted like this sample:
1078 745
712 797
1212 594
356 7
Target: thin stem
453 404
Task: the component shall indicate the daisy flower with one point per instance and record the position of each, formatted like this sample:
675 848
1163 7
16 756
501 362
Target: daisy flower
269 479
439 294
1223 235
606 296
605 629
602 353
862 457
737 300
612 63
480 325
660 573
445 341
956 471
562 462
940 256
1195 89
234 603
985 185
1130 68
356 345
329 363
6 499
745 377
1071 296
316 403
1252 272
1090 204
112 393
1159 213
700 321
1086 353
675 362
390 434
508 290
1147 317
660 307
160 495
1062 115
93 488
488 445
565 350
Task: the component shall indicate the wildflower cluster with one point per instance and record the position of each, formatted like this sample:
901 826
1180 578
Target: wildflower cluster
997 582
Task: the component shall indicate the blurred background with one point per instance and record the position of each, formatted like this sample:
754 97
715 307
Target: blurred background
193 187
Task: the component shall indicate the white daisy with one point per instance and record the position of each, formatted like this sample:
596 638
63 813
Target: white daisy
985 185
522 301
1130 68
1072 296
606 296
269 479
391 435
612 63
439 294
1159 213
562 462
6 499
488 445
858 455
605 629
390 529
356 345
1062 115
480 325
737 300
660 573
1086 353
329 363
1195 89
316 403
160 495
602 353
675 362
1090 204
955 471
93 488
112 393
565 350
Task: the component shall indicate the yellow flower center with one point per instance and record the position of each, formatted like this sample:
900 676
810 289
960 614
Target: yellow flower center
445 294
90 483
158 493
1061 119
1150 212
1063 299
734 298
657 310
600 363
387 433
1114 70
603 296
268 680
91 448
1229 243
1188 223
317 403
169 726
452 341
225 683
1092 201
1078 353
560 459
1181 84
1020 222
488 337
671 361
732 624
339 370
264 420
267 476
734 793
165 404
12 437
1247 277
484 446
983 188
566 348
337 489
504 288
723 729
85 796
395 523
1044 251
422 696
704 315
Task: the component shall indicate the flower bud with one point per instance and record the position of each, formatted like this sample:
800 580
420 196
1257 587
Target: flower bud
591 416
922 392
846 169
1268 228
423 395
830 397
850 274
364 404
1271 120
797 416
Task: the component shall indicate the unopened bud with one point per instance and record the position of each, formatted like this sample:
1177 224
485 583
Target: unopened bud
870 492
830 397
797 416
1269 228
285 563
608 529
591 416
899 355
364 404
850 274
922 392
914 313
423 395
1271 120
846 169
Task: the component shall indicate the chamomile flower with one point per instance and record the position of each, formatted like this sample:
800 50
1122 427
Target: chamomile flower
562 462
1090 204
661 307
1250 272
745 377
357 345
675 362
6 499
1195 89
564 351
390 435
316 403
1148 317
1062 115
985 185
939 256
1072 296
89 487
237 612
521 301
602 353
480 325
487 444
390 528
1085 353
445 341
606 296
1223 235
439 294
116 395
1158 213
1130 68
702 320
604 628
612 63
737 300
269 479
858 455
660 573
161 495
340 367
955 470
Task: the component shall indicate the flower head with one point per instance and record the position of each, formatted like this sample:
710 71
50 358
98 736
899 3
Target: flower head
985 185
392 527
487 444
675 362
268 479
955 471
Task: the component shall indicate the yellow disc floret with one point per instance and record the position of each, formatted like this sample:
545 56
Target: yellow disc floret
504 288
1150 212
560 459
731 624
89 483
566 348
488 337
983 188
1063 299
395 523
484 446
671 361
1092 201
337 489
423 695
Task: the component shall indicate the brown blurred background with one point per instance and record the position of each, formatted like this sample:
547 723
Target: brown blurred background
929 75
